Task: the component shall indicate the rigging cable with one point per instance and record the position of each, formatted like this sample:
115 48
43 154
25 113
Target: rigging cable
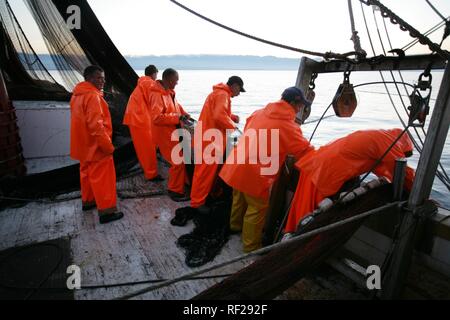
355 38
320 121
327 56
404 26
427 33
436 10
446 20
442 176
419 149
323 117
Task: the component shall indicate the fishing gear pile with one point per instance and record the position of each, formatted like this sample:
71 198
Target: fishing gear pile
211 231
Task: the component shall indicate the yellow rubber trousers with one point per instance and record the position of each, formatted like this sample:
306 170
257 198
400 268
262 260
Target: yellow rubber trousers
248 215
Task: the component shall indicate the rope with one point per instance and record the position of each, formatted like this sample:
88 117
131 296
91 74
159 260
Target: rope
327 56
295 240
110 286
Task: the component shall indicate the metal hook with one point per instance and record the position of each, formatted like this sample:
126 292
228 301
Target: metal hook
312 83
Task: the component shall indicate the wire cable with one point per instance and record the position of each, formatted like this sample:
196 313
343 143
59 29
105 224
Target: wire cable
427 33
436 10
443 176
320 121
327 56
416 145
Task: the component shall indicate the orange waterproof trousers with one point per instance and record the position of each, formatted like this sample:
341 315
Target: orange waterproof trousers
305 201
204 177
98 184
177 172
145 151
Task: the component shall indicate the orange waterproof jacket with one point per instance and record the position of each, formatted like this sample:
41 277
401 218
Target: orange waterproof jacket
138 108
91 126
165 112
248 177
216 113
334 164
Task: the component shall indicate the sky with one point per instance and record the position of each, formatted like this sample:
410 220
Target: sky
159 27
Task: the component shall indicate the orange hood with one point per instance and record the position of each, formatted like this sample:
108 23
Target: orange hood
145 81
280 110
86 88
159 88
223 87
404 143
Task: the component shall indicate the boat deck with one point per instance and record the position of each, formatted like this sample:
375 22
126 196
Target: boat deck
140 247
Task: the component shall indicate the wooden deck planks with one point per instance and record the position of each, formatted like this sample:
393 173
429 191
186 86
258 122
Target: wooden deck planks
140 247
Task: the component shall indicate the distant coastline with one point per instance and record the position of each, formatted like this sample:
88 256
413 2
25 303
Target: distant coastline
204 62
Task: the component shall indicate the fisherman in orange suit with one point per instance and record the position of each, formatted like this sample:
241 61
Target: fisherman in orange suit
138 119
167 117
251 179
91 144
216 114
324 172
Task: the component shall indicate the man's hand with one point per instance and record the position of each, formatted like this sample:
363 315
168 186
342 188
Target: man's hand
235 118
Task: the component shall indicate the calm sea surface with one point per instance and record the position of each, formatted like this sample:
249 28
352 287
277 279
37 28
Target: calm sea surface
375 109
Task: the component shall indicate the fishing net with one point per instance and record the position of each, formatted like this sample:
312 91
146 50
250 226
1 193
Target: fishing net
25 75
67 55
76 47
209 236
71 51
211 231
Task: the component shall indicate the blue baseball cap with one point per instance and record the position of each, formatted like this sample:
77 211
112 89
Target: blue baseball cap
295 94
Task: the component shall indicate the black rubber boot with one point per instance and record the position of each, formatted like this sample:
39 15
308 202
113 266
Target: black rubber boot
158 178
107 218
178 197
89 207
